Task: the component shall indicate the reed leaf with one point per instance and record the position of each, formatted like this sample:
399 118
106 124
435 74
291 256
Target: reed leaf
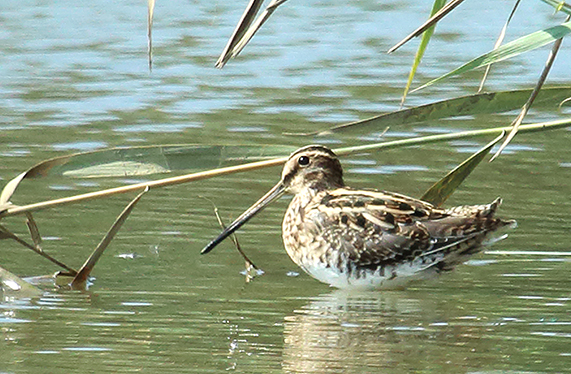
246 29
80 278
524 44
532 128
519 119
140 161
560 6
150 16
34 231
499 42
7 234
16 210
426 35
439 192
244 24
252 29
429 23
483 103
16 286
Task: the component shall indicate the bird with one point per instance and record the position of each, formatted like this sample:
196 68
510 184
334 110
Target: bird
368 239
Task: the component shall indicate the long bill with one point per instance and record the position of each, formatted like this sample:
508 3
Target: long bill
276 191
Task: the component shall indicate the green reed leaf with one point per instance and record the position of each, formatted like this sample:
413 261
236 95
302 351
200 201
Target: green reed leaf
560 6
442 12
438 4
176 180
524 44
494 102
499 42
440 191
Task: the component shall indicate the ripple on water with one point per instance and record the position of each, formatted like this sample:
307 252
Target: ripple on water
81 145
74 76
158 128
388 169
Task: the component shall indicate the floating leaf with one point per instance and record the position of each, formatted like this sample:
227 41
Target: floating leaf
443 189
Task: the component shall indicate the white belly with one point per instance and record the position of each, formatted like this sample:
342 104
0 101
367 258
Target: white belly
389 277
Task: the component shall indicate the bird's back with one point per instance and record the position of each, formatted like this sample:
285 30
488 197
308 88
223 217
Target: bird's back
364 238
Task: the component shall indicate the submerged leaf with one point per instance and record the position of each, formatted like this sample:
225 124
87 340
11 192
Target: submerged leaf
443 189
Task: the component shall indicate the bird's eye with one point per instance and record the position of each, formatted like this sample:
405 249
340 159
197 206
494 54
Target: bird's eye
303 161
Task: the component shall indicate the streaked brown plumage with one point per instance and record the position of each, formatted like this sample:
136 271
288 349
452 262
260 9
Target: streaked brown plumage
368 239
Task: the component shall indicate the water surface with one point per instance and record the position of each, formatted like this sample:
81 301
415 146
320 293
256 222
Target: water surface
75 78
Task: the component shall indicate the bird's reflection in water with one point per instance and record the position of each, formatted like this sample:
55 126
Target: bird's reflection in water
358 332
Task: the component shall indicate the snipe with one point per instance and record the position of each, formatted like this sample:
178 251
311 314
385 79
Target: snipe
368 239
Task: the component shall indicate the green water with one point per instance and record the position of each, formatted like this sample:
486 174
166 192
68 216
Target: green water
74 78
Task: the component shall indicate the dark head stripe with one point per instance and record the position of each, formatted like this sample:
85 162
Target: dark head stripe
314 148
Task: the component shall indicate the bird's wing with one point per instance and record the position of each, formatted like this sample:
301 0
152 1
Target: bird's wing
374 228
